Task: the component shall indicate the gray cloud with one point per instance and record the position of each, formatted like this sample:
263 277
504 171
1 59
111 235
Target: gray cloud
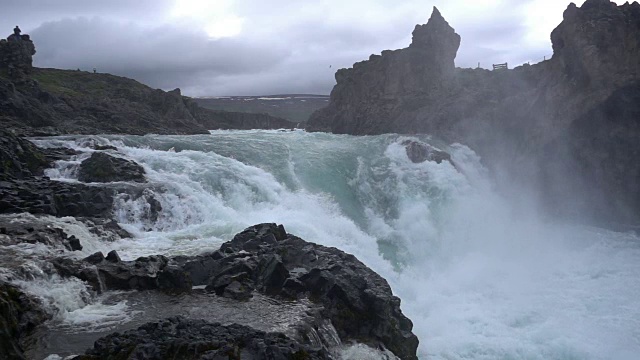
284 46
163 57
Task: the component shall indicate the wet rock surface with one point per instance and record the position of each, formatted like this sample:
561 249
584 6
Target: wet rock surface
265 260
420 152
262 261
180 338
19 315
44 196
111 273
102 167
19 158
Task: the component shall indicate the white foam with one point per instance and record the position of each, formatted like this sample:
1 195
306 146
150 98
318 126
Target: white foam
479 277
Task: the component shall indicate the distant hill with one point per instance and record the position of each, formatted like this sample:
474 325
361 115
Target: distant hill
35 101
52 101
293 107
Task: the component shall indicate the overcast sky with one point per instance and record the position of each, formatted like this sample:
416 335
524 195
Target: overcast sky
260 47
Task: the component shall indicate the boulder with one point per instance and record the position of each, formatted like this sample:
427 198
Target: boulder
180 338
44 196
420 152
358 302
352 298
101 167
111 273
19 158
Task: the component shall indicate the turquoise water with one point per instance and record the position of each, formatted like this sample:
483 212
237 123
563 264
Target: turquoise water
481 276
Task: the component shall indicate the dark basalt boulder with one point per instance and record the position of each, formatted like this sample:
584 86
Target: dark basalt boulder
420 152
180 338
19 158
101 167
111 273
44 196
358 302
19 316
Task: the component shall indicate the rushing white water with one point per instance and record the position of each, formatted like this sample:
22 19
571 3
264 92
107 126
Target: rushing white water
479 277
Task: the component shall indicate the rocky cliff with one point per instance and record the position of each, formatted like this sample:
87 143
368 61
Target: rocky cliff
37 101
566 125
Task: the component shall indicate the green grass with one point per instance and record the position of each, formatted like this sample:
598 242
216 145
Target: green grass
73 83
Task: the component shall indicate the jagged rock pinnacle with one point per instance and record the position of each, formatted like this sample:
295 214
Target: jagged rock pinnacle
438 37
436 14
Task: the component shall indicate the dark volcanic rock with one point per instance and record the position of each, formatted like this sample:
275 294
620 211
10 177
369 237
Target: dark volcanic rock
19 315
179 338
16 55
44 196
21 190
357 301
19 158
101 167
564 126
419 152
371 97
111 273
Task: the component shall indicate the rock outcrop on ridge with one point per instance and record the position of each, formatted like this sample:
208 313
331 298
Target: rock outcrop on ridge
569 124
36 101
16 55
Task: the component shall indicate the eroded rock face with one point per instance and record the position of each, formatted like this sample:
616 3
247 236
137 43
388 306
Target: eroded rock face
101 167
439 39
537 121
369 97
180 338
16 55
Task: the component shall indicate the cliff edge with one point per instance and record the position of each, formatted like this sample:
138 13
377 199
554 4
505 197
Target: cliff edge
568 125
35 101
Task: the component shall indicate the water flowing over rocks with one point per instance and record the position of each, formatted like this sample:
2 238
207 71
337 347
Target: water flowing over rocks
265 259
346 301
567 125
